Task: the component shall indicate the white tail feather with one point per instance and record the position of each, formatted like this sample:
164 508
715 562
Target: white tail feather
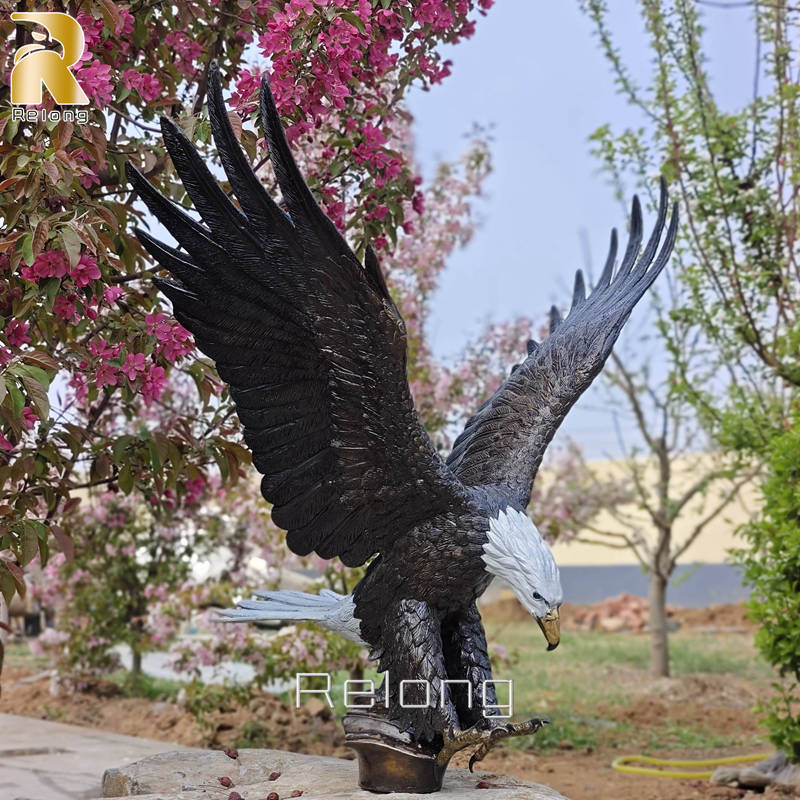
330 610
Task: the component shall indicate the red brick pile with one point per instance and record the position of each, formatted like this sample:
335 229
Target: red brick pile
625 612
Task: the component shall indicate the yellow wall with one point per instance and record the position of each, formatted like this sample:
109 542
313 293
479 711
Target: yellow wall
712 544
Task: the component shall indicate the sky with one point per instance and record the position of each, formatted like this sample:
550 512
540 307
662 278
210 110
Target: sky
533 73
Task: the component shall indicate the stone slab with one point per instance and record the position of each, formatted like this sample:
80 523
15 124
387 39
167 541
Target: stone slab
43 760
194 775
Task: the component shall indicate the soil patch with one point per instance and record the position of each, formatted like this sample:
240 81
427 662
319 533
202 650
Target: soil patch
266 720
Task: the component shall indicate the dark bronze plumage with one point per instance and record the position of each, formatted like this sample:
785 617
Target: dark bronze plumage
314 350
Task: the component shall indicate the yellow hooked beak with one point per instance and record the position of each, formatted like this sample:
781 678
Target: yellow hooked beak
550 624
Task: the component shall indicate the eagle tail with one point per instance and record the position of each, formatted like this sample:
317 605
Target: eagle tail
328 609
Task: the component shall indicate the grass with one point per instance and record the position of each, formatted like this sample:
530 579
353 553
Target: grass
581 684
145 685
18 654
687 737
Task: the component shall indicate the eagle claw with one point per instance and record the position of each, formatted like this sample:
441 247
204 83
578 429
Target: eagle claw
484 735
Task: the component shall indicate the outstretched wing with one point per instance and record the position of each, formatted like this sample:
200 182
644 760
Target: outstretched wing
503 444
310 342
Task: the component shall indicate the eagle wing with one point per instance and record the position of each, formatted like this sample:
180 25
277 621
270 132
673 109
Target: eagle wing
503 443
309 341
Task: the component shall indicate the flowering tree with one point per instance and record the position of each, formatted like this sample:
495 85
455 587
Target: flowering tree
89 358
125 556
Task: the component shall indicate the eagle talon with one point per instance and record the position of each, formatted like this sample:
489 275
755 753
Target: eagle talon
484 738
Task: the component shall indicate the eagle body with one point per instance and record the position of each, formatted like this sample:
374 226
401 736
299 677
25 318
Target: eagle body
314 351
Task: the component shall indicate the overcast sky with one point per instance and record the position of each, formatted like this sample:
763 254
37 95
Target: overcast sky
534 73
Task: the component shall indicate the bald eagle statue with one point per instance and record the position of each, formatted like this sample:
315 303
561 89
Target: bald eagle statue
313 348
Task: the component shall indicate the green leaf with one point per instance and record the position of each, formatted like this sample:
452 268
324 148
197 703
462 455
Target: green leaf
72 244
155 458
7 586
125 479
44 551
119 447
17 399
49 288
38 397
37 373
249 143
354 20
27 249
30 544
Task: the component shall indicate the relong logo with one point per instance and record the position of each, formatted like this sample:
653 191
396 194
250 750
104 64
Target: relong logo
35 65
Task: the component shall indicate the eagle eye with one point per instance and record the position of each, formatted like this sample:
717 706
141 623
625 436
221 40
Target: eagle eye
537 596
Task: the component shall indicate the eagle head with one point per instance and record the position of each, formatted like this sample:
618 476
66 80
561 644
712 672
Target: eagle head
516 552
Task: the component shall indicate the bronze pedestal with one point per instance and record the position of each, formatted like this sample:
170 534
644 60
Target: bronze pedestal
388 761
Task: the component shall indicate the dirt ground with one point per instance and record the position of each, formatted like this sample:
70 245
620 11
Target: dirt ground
103 706
722 704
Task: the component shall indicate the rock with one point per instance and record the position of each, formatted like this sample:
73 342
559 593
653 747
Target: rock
752 778
725 776
188 775
775 771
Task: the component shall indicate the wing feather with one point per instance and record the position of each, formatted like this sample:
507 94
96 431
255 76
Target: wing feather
310 342
503 443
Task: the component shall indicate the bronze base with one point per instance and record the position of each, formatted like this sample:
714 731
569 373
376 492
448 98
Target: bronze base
388 761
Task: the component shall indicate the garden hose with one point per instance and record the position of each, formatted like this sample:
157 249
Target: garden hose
621 765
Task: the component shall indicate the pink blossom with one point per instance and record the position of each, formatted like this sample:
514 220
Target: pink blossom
90 307
244 97
85 271
157 324
65 308
96 82
29 417
153 384
148 86
48 264
112 294
5 444
134 364
99 348
92 31
17 332
194 489
106 375
87 167
186 51
178 343
80 386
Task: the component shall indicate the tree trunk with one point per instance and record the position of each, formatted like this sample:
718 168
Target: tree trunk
4 629
659 645
136 663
